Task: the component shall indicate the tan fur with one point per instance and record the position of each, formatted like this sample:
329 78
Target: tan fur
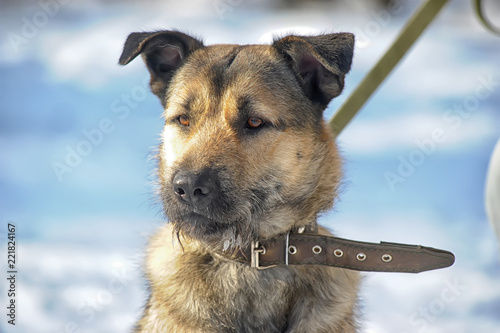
314 299
268 182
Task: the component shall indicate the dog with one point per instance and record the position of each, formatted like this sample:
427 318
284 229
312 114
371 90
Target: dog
245 155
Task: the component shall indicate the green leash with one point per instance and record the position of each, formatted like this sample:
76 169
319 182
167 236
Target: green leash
413 29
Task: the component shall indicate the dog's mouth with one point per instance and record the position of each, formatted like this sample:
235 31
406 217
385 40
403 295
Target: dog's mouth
224 223
197 224
218 235
207 206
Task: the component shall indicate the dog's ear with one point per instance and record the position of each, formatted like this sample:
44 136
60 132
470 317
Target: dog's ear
162 51
320 63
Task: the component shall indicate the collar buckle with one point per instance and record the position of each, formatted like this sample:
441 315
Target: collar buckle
256 250
287 247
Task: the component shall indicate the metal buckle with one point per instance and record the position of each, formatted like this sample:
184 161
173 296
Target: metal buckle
287 247
257 250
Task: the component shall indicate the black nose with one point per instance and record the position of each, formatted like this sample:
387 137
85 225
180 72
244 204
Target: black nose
195 188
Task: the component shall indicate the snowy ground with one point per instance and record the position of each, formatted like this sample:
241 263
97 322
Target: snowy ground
80 234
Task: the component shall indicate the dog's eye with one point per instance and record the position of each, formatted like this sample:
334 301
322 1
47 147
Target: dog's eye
183 120
254 122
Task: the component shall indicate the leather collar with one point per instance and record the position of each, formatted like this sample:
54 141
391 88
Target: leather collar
308 248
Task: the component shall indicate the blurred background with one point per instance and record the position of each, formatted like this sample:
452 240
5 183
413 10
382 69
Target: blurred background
77 133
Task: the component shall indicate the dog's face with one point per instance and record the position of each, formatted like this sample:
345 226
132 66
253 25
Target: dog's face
245 153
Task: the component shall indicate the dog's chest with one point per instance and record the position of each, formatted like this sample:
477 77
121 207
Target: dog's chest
216 291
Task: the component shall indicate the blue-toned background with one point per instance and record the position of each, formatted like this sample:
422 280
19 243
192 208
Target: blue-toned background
78 132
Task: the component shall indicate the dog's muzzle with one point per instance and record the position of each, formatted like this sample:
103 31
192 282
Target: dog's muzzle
195 189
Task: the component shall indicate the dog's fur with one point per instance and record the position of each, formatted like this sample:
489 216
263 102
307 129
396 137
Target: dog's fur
245 137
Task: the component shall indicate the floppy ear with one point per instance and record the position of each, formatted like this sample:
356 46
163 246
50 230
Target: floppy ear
162 51
320 63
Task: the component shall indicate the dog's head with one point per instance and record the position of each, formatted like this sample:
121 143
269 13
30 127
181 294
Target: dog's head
245 152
